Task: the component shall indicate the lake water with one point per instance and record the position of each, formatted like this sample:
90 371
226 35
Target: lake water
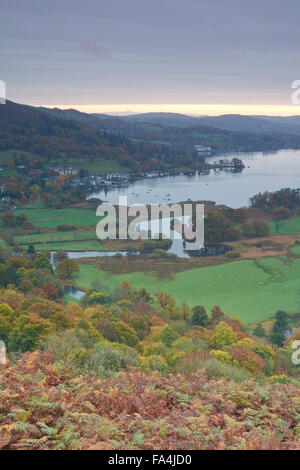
264 171
73 292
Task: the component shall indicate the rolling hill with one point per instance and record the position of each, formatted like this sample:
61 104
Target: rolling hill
56 134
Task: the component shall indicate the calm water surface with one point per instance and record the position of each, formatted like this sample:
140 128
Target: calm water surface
264 171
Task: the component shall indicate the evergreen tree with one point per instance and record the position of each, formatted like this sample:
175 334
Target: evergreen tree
279 328
199 316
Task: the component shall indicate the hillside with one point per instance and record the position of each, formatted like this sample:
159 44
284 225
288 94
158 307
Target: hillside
233 122
51 136
59 409
70 136
162 119
186 131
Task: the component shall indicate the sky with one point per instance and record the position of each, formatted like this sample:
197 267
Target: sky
126 56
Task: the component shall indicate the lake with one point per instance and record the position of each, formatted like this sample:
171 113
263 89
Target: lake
264 171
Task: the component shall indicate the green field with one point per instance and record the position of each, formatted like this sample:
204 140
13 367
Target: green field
250 290
52 237
3 244
89 245
51 218
296 250
286 226
67 299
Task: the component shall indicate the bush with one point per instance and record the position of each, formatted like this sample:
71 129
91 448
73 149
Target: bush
283 379
223 336
168 336
247 359
65 228
222 356
256 228
232 254
154 348
106 357
184 344
215 368
154 363
98 298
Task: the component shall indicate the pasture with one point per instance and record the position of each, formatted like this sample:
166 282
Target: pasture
49 218
286 226
251 290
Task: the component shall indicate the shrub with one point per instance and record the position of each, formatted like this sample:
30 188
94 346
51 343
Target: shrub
223 336
125 334
215 368
105 357
98 298
232 254
66 228
283 379
256 228
154 363
155 348
222 356
247 359
183 344
173 357
168 336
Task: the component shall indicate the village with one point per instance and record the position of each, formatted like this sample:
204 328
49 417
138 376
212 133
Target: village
109 181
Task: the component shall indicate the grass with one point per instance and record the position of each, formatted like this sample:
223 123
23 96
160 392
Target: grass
90 245
52 237
3 244
51 218
286 226
250 290
68 298
296 250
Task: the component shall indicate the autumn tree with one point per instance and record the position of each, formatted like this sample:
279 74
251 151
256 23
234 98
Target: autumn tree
218 228
42 261
67 268
256 228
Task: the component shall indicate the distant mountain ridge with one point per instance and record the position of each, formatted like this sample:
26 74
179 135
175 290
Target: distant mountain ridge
253 124
136 144
234 122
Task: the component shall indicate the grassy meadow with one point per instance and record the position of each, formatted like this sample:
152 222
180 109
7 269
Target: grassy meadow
287 226
251 290
51 218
